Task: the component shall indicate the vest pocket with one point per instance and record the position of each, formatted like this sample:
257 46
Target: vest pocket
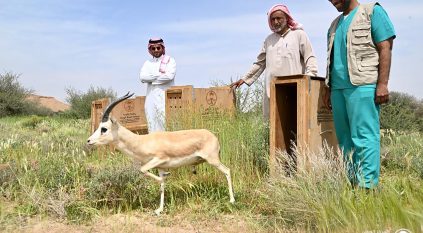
367 61
361 34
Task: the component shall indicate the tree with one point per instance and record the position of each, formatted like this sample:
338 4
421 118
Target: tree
12 95
403 112
81 102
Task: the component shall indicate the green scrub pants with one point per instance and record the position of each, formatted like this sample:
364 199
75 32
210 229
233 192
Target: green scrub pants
356 119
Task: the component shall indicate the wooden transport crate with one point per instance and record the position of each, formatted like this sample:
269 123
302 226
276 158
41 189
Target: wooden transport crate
179 99
97 108
297 115
182 100
130 113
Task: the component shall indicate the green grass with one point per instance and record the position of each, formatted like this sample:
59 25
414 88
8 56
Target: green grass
50 172
326 203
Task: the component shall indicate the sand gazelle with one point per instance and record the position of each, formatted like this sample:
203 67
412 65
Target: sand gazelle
161 150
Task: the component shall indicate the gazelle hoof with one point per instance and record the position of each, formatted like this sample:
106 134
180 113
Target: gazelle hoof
158 211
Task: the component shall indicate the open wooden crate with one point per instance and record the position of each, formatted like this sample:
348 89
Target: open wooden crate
297 115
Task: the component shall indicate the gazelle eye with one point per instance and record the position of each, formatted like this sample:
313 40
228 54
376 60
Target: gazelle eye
103 130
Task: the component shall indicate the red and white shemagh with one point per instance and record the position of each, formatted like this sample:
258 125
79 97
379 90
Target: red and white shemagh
165 59
292 24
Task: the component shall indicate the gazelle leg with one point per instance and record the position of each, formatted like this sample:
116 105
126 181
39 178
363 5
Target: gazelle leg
152 164
213 159
162 175
227 173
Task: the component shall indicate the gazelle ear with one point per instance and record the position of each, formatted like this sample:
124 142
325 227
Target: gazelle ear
112 120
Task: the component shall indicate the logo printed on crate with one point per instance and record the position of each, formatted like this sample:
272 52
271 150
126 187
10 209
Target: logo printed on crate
211 98
129 113
129 106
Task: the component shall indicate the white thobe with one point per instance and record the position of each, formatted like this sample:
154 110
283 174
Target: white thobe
289 54
157 84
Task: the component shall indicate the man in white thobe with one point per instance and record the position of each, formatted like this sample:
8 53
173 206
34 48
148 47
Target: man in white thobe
287 51
159 74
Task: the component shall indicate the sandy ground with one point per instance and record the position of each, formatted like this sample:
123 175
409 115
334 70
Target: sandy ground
136 222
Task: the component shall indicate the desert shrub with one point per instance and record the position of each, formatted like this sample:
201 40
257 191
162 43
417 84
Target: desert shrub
122 187
403 112
59 172
13 98
12 95
81 102
402 152
79 212
32 122
34 108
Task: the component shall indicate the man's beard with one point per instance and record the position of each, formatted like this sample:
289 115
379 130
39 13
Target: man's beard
279 28
344 6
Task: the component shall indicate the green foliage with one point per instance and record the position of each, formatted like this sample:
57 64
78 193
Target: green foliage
81 102
243 137
403 112
403 152
48 173
32 122
6 175
80 212
122 187
58 173
322 200
32 108
12 95
13 98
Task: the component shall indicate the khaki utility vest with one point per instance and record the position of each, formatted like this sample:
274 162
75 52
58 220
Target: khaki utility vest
362 55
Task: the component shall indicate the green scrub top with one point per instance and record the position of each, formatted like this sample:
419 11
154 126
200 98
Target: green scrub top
382 29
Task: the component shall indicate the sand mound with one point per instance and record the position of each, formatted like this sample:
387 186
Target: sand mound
49 102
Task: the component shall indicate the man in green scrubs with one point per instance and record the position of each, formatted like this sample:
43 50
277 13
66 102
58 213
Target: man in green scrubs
360 44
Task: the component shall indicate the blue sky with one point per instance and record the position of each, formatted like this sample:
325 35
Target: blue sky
56 44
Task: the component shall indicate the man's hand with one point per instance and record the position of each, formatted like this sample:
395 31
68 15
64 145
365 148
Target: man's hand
382 94
237 84
326 98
